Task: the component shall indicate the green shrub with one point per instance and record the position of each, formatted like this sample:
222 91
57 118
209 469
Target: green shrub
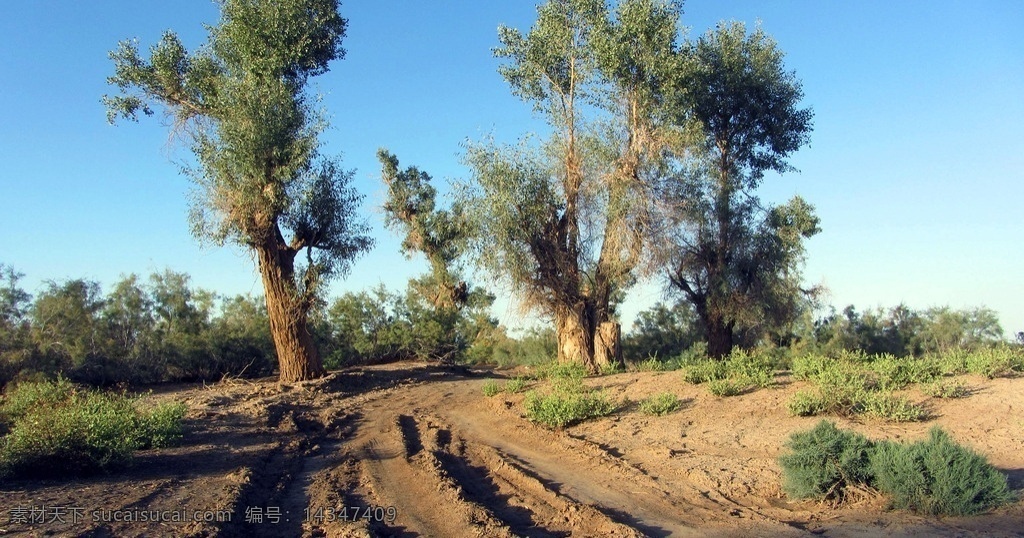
74 431
728 387
807 403
938 476
25 397
824 462
491 388
704 371
755 367
1001 361
559 409
898 372
650 364
612 368
893 408
161 426
515 385
946 389
809 366
660 404
953 362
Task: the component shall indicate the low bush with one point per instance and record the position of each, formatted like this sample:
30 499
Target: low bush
935 476
650 364
1001 361
491 388
660 404
938 476
825 463
729 386
893 408
70 430
515 385
559 409
947 389
807 403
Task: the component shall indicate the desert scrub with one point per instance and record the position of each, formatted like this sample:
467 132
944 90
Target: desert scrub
826 463
559 409
937 476
999 361
491 388
729 386
893 408
660 404
807 403
515 385
650 364
898 372
71 430
946 389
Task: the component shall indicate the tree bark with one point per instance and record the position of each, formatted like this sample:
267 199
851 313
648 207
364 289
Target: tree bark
608 345
720 337
297 356
575 336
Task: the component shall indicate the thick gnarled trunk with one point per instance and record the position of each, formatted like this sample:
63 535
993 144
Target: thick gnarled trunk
297 356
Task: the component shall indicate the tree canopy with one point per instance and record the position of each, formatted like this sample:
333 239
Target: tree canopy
261 182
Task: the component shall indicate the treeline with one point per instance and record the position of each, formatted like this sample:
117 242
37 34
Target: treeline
162 328
666 331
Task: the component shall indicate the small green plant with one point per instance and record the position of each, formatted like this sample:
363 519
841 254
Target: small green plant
704 371
728 387
1000 361
516 385
491 388
807 403
825 463
559 409
612 368
947 389
650 364
893 408
660 404
938 476
57 428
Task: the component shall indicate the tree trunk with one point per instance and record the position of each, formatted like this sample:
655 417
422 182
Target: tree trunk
297 356
720 337
575 337
608 345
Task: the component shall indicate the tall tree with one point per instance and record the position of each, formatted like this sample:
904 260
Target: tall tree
733 260
241 102
564 225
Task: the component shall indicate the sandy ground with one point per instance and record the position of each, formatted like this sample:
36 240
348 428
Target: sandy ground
411 449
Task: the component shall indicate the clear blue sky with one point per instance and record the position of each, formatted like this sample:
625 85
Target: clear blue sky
916 163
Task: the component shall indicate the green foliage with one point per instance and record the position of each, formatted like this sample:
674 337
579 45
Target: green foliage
890 407
662 332
999 361
56 428
808 403
650 364
938 476
562 408
824 462
728 387
705 371
516 385
935 476
897 373
491 388
660 404
946 389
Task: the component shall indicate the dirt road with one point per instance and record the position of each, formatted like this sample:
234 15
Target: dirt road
417 450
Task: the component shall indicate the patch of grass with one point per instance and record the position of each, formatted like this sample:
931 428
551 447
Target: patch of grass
660 404
70 430
1000 361
516 385
825 463
559 409
729 386
892 408
935 476
946 389
491 388
938 476
807 403
612 368
705 371
650 364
